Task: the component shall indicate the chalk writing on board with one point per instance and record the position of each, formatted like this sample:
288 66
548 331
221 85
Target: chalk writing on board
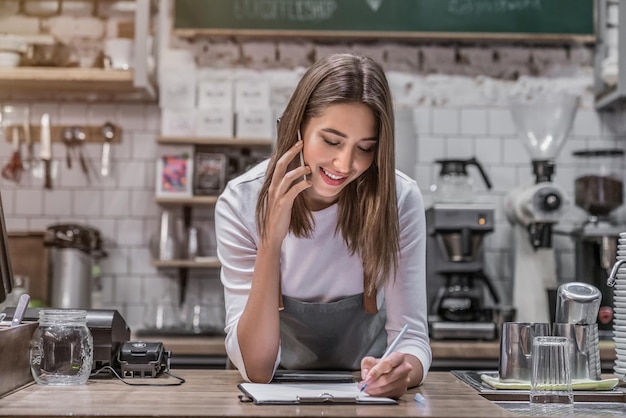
292 10
480 7
374 4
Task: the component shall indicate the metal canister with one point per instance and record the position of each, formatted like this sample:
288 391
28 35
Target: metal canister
73 249
577 303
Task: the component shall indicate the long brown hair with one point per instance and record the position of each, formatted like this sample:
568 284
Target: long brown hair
368 209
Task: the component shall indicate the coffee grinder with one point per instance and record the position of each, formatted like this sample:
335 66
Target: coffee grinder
461 298
543 121
599 191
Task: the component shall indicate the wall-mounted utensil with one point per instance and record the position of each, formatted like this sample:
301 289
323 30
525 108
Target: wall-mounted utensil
22 304
45 153
68 139
30 154
108 132
12 171
79 137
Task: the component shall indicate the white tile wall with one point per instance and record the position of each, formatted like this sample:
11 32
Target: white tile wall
473 122
446 121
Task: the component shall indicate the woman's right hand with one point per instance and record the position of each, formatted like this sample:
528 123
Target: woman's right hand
282 192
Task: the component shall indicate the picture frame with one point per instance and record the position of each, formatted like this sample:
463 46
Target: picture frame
209 173
174 175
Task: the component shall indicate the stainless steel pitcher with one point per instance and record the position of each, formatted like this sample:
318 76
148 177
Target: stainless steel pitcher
584 349
577 303
516 342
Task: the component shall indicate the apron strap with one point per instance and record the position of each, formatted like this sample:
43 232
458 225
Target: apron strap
280 295
369 297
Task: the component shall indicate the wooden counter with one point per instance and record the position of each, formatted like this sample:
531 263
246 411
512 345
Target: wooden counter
213 393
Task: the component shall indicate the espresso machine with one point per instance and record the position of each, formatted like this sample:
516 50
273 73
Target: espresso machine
599 191
543 121
461 298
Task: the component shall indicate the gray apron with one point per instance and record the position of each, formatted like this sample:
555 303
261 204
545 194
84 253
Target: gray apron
330 336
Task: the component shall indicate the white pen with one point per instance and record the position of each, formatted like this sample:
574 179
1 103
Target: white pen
391 348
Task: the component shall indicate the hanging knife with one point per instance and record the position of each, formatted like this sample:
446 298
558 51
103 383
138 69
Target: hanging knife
45 152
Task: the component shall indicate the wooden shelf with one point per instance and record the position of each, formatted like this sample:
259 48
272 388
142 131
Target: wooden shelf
51 79
214 141
192 200
209 262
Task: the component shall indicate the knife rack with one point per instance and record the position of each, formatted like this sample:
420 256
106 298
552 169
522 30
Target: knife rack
93 134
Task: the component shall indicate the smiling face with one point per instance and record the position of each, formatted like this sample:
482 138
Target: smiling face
339 146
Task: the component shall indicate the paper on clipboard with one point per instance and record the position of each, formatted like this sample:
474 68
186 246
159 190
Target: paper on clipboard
308 393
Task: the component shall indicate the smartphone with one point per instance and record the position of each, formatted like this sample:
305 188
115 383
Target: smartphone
301 155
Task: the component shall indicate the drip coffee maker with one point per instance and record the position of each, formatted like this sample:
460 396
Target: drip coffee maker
543 121
461 298
599 191
454 183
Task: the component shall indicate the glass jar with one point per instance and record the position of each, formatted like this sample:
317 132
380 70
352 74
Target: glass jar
61 350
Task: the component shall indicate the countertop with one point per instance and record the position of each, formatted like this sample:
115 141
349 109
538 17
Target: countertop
214 393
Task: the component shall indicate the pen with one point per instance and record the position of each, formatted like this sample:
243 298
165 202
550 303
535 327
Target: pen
391 348
420 399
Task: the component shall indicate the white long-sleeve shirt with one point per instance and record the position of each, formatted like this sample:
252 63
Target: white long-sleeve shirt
321 268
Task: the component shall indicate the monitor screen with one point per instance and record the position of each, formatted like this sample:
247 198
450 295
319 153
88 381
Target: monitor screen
6 272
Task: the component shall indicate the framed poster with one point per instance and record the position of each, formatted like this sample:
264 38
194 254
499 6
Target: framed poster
174 176
210 173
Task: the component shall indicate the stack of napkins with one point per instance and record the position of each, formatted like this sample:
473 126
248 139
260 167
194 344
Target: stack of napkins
496 383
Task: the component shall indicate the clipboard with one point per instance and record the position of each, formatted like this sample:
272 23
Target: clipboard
308 393
312 376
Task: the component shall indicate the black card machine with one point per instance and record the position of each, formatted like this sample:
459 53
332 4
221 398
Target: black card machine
143 359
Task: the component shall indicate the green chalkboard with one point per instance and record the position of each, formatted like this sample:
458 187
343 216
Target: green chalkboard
550 19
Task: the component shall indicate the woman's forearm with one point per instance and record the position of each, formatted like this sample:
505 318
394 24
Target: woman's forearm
258 330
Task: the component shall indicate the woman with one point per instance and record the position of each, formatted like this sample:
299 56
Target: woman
324 263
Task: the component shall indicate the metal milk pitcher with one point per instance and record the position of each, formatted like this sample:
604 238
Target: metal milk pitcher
577 303
584 350
516 342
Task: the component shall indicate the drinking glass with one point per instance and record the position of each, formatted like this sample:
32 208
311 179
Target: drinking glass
162 315
551 381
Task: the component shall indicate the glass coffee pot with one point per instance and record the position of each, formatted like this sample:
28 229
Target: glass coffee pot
454 185
599 184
